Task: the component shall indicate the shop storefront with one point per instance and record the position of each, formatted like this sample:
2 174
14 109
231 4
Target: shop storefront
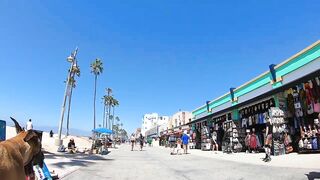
284 102
301 107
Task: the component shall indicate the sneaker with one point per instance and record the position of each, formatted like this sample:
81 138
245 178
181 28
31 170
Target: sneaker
268 159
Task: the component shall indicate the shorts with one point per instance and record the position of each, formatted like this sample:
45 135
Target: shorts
214 142
269 140
172 144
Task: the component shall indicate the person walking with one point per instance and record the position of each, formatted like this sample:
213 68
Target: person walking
141 141
215 145
29 125
268 141
51 133
185 142
172 143
132 139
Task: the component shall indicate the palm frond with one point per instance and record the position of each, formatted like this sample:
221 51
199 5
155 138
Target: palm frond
96 67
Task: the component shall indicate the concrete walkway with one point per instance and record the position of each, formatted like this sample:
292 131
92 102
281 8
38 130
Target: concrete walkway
63 163
293 160
157 164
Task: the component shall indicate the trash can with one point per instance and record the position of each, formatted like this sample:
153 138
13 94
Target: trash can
2 130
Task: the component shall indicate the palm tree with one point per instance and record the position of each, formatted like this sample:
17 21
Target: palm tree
75 70
114 103
96 69
117 119
104 99
109 100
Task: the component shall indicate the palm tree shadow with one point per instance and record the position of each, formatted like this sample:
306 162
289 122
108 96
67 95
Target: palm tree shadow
313 175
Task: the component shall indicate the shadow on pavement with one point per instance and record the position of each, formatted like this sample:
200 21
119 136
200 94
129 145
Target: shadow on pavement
313 175
74 156
82 160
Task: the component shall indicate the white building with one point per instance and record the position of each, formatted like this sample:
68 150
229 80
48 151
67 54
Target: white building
180 118
151 121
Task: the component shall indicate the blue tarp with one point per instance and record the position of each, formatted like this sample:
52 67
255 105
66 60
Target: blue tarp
102 131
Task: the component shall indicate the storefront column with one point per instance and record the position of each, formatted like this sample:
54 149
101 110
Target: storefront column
276 100
235 115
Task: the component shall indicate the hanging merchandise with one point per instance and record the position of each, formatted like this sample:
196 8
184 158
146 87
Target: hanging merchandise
253 118
303 115
205 139
278 130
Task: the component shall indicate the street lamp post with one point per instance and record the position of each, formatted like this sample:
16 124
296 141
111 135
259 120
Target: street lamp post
71 59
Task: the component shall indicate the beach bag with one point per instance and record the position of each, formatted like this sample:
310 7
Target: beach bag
301 143
61 148
289 149
310 109
286 140
316 107
314 144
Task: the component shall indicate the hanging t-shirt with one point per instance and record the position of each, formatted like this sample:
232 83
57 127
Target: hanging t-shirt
303 101
244 122
290 104
316 90
272 103
250 121
261 118
297 105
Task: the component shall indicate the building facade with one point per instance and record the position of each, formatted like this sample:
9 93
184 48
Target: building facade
180 118
151 123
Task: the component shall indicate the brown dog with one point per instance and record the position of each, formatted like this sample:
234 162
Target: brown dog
18 152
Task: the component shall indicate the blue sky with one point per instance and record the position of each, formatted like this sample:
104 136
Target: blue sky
159 56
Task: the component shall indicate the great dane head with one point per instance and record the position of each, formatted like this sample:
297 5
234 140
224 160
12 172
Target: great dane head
34 155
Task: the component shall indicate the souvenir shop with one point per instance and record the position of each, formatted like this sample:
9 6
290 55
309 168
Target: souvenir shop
195 134
301 106
252 123
218 129
293 111
281 105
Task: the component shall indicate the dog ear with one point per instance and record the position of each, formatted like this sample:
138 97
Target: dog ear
30 135
18 127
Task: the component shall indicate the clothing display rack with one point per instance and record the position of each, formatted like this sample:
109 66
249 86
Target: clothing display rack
205 139
302 103
228 136
278 130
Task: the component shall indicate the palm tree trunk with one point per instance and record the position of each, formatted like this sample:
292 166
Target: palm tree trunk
69 107
113 117
107 116
104 115
109 107
94 102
